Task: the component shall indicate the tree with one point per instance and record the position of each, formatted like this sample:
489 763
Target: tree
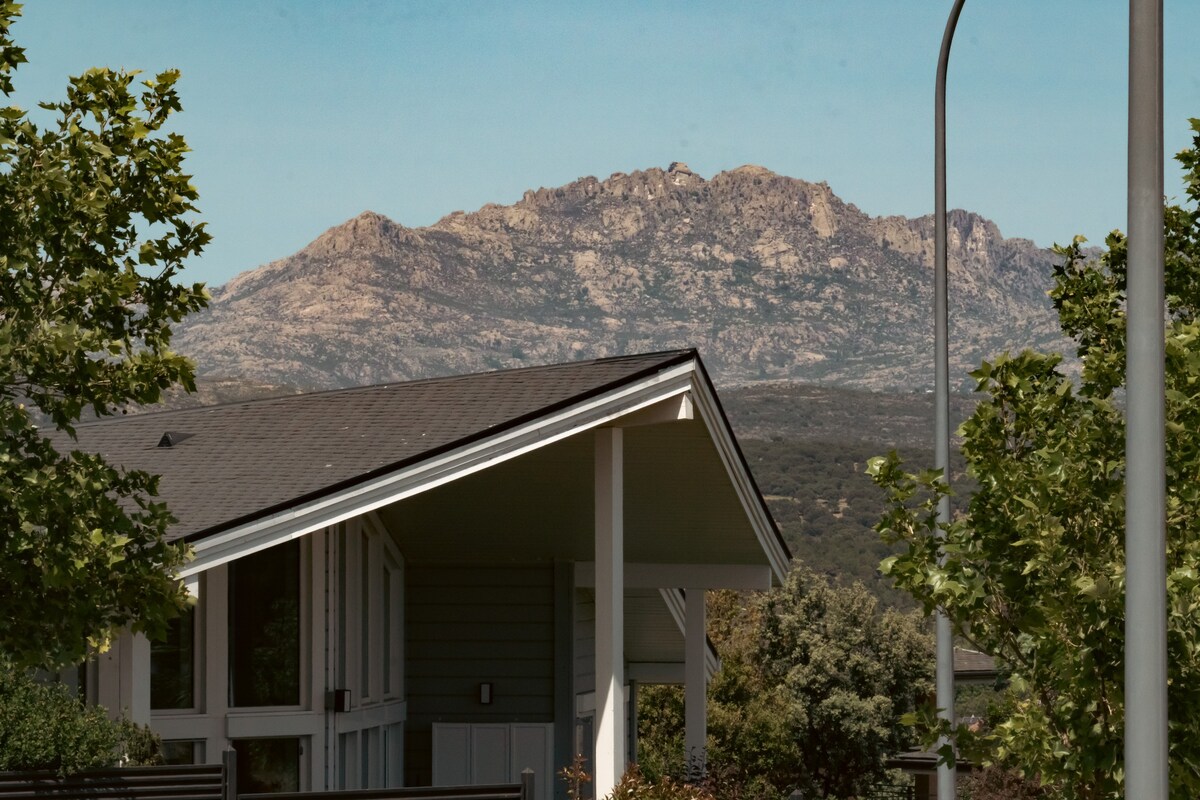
814 678
1034 565
93 231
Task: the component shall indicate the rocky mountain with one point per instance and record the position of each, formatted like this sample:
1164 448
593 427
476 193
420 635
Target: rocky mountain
770 277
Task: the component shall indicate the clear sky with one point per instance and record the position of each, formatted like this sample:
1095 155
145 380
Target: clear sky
303 114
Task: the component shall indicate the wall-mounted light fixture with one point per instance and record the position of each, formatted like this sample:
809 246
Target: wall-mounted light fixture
485 694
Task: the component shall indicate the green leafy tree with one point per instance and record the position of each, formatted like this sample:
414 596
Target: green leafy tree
814 679
1034 568
94 228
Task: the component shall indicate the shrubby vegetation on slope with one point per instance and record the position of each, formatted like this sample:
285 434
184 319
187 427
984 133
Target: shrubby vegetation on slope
808 448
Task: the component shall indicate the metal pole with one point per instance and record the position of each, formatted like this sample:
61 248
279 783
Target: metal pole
1145 452
947 774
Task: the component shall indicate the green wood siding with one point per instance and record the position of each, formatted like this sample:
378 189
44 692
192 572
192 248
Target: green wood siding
466 625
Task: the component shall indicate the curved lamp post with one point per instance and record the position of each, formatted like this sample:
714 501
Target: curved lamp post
947 773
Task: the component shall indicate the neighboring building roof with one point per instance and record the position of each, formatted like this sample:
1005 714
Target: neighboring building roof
924 761
971 665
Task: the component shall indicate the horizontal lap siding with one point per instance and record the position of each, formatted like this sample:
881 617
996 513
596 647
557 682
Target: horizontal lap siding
469 625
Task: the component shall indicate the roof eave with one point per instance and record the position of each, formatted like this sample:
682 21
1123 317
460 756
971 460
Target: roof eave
344 502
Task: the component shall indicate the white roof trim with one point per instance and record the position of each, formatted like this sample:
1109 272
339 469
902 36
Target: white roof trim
752 503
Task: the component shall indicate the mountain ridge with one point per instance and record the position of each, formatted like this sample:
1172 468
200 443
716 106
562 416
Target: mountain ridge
771 277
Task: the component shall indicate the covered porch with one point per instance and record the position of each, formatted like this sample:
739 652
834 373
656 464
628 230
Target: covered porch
579 569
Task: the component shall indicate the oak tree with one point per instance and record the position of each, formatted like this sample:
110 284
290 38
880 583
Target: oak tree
813 682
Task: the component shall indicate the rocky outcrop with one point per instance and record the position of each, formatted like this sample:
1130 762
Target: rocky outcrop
771 277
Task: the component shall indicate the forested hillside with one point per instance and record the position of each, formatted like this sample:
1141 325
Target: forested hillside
808 447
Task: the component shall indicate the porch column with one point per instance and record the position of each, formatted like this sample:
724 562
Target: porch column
123 686
695 695
610 613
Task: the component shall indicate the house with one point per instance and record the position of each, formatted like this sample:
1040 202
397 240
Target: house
441 581
971 667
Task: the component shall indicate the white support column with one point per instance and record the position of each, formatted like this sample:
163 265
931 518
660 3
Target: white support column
138 674
610 613
695 701
124 685
214 588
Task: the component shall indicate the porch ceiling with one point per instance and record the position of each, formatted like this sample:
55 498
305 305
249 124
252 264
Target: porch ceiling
680 506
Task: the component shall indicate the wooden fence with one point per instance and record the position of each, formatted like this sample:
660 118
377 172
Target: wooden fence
200 782
218 782
516 791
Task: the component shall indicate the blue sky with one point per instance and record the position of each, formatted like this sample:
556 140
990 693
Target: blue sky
303 114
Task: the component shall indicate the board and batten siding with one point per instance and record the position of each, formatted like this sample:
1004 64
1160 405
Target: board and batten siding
468 625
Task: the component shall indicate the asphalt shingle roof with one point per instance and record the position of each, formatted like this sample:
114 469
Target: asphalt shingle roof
972 663
233 463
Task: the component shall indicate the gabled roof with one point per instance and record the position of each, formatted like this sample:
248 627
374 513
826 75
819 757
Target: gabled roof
241 476
236 462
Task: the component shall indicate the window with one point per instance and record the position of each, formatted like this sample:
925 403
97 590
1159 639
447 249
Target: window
393 633
183 751
264 628
370 624
172 665
268 765
364 615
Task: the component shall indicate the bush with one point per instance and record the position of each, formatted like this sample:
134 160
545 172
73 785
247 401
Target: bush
995 783
635 786
43 726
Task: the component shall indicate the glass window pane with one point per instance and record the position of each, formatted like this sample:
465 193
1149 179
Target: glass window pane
347 759
183 751
264 627
172 672
344 633
365 616
388 689
268 765
393 765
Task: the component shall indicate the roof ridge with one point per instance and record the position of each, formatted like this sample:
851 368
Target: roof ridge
118 418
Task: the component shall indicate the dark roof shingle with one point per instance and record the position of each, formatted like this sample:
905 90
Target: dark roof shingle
232 463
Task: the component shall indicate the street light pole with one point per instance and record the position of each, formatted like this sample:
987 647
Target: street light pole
947 773
1146 764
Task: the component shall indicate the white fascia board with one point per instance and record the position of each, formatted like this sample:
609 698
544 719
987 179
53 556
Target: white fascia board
683 576
678 608
760 519
314 515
